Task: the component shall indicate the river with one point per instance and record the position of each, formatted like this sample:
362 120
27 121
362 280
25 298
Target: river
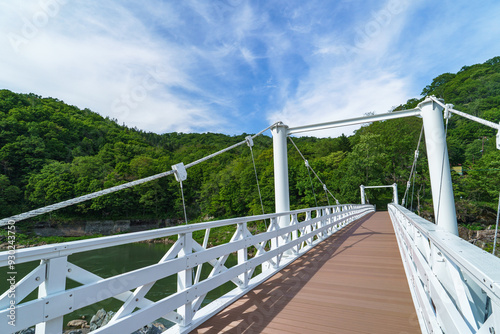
112 261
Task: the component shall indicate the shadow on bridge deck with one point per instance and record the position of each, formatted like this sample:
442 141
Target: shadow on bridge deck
353 282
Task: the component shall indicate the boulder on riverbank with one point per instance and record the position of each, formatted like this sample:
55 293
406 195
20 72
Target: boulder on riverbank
101 318
104 227
78 323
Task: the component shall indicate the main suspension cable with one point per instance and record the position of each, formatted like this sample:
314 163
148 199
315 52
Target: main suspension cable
84 198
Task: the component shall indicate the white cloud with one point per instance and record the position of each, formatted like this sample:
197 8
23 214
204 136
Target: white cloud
350 77
343 94
234 65
448 36
134 79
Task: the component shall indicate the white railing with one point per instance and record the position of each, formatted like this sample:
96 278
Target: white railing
455 285
271 250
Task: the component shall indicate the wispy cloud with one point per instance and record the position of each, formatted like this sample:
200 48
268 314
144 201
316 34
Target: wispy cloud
387 54
340 95
350 74
234 66
443 37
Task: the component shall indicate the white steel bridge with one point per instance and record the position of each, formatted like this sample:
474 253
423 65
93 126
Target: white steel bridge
327 269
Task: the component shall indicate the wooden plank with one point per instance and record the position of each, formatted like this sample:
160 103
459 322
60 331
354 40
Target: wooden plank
354 282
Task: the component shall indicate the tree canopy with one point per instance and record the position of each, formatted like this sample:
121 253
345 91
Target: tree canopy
51 151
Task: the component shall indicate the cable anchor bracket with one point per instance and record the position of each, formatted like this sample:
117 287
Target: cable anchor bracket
249 141
180 172
447 112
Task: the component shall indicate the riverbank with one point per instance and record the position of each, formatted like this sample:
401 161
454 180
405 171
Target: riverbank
32 237
31 234
45 233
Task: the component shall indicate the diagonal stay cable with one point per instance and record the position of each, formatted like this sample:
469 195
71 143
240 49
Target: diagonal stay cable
183 203
496 228
308 172
250 144
414 165
326 195
413 190
310 181
257 180
442 172
336 200
309 167
84 198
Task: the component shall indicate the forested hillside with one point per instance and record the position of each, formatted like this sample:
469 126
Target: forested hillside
51 151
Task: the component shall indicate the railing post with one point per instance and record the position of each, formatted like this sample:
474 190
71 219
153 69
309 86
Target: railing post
243 255
185 280
328 221
309 227
281 189
55 281
395 193
362 188
439 166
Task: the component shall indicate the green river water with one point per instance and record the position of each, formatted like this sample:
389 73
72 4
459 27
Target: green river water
112 261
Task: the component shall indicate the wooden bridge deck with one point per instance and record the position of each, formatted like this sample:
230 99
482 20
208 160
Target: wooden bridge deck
353 282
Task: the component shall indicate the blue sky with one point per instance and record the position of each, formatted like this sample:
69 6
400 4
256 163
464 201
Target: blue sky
234 66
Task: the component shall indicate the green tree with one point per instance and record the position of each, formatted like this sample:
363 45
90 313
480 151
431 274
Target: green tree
9 197
54 183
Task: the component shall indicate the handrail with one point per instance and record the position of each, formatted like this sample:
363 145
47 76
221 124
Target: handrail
184 258
72 247
455 285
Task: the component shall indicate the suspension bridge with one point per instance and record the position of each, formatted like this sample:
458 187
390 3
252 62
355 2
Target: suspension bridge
333 269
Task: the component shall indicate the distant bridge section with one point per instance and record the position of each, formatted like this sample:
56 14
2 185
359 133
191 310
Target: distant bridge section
394 187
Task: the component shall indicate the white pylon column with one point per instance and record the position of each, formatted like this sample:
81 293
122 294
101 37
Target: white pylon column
281 189
362 188
439 166
395 193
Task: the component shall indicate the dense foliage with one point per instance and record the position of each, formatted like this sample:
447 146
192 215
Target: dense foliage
51 151
474 90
